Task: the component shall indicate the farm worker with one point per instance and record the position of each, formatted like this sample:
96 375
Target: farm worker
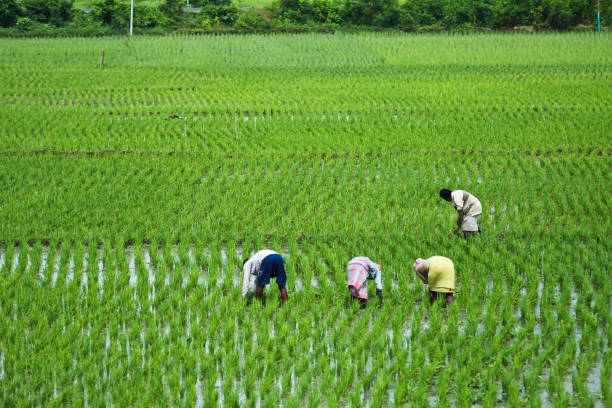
468 207
358 271
262 266
438 273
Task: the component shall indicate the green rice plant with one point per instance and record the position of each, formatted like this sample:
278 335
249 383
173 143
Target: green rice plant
8 259
22 262
354 149
64 260
78 265
48 266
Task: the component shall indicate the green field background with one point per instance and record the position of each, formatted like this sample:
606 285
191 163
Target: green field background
131 190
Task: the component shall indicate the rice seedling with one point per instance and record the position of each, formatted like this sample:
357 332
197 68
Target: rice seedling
123 229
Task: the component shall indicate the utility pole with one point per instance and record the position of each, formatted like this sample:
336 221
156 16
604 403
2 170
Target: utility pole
598 19
132 16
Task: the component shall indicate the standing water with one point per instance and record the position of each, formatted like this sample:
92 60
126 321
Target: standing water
70 274
198 386
56 263
15 259
132 266
100 271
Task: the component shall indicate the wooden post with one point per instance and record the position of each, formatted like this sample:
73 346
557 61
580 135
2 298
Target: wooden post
102 59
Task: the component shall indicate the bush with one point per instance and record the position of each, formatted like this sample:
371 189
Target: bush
379 13
204 3
172 9
325 11
559 15
25 24
422 13
105 11
226 15
252 20
147 16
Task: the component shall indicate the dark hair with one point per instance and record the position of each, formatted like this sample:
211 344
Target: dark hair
445 194
245 261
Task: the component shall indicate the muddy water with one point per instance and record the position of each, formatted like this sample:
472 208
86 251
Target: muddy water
198 388
219 387
594 384
537 328
100 271
55 269
15 259
83 271
132 267
70 274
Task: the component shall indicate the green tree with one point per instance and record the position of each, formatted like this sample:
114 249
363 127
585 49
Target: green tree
173 9
106 11
296 11
326 11
9 12
424 12
381 13
509 13
55 12
558 14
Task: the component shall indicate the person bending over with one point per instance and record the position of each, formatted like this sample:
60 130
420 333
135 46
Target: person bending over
438 273
262 266
359 271
468 208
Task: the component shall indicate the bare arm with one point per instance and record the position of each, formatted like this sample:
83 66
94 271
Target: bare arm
459 204
460 220
377 281
422 271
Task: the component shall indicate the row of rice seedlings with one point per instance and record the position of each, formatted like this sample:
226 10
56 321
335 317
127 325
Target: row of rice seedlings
433 328
359 52
581 56
395 98
219 189
549 128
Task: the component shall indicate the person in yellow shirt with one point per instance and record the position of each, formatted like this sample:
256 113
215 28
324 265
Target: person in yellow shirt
438 273
468 207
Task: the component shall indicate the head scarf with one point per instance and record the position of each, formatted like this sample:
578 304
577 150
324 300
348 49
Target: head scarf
417 263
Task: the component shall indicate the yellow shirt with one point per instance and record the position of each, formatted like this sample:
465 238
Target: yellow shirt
440 274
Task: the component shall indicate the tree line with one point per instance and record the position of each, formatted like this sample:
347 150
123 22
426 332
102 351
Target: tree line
112 16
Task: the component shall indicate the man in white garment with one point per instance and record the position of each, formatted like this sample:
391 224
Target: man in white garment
468 207
259 268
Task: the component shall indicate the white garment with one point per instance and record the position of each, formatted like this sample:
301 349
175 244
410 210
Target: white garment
251 269
470 224
471 206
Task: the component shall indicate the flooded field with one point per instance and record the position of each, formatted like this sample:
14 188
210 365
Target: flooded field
131 194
